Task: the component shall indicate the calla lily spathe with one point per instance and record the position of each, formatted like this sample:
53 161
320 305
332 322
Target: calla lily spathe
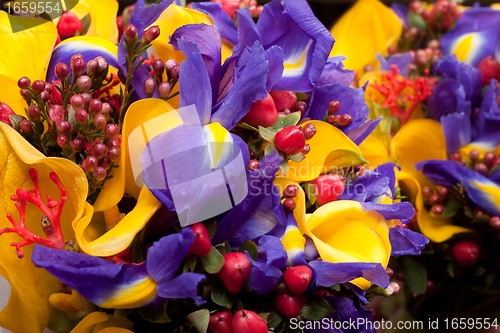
31 288
367 28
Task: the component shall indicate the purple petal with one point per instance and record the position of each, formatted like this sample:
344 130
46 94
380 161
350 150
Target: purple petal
457 131
209 44
335 72
403 211
269 219
401 60
351 102
96 279
222 21
487 121
360 133
264 277
272 250
274 56
194 81
62 53
183 286
480 20
479 188
401 11
293 26
328 273
447 97
387 170
247 30
166 255
367 187
259 180
249 85
406 242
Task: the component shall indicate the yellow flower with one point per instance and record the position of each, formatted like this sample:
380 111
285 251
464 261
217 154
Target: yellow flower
367 28
343 231
420 140
32 287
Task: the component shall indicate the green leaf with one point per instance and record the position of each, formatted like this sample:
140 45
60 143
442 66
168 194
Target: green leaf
222 297
155 314
246 126
415 275
190 263
269 149
274 319
251 248
284 167
285 121
310 190
212 263
297 157
267 134
344 158
122 312
211 228
451 269
417 21
316 308
200 320
222 248
451 207
255 146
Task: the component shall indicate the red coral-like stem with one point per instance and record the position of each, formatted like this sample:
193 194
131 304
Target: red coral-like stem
393 90
51 219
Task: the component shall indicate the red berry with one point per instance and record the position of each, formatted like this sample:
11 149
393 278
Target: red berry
55 94
201 246
38 86
262 113
34 112
289 304
345 120
151 34
111 131
23 82
283 99
289 204
221 322
26 126
298 278
437 209
253 164
62 141
246 321
81 116
99 173
63 128
465 253
328 188
61 70
306 149
490 69
69 25
235 271
333 106
291 191
130 32
290 140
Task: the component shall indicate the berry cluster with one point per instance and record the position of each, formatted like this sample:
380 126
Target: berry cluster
341 120
80 112
157 83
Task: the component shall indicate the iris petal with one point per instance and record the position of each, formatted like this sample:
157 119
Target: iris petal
328 273
222 21
183 286
406 242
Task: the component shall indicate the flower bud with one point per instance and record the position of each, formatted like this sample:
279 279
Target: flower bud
149 87
81 116
100 149
38 86
172 69
56 113
77 102
62 141
86 99
23 82
164 90
63 128
83 83
111 131
61 70
77 144
89 163
114 153
106 108
44 96
158 67
34 112
26 94
99 173
130 32
92 67
26 126
95 106
100 121
150 34
102 65
77 65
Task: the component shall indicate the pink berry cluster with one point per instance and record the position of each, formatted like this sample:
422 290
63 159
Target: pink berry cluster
80 112
340 120
157 80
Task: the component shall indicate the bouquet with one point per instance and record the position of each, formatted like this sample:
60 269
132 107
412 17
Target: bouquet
435 84
196 169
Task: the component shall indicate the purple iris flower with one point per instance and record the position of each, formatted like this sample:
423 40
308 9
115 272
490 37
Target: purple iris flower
401 60
111 285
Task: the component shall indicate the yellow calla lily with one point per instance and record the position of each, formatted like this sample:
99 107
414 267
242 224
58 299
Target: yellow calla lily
19 61
374 151
32 287
367 28
420 140
342 231
102 16
100 322
97 241
323 157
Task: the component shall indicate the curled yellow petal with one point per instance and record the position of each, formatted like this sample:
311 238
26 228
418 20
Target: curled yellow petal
374 151
419 140
102 20
114 324
88 323
436 228
344 232
31 287
120 236
327 140
367 28
16 58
